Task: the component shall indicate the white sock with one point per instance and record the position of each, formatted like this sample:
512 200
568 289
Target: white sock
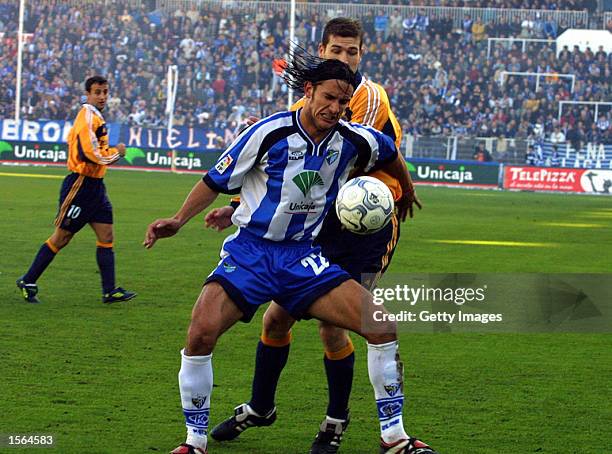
386 373
195 383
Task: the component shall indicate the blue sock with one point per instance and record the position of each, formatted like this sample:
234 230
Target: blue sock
106 262
42 260
339 382
269 363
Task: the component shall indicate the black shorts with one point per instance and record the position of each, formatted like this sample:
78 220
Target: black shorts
362 256
83 200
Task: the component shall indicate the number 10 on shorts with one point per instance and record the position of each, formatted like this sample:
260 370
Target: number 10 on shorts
73 212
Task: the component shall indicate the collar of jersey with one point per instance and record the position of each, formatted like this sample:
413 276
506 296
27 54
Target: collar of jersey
94 109
316 149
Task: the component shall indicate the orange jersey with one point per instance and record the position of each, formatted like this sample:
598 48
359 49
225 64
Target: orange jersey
370 106
88 150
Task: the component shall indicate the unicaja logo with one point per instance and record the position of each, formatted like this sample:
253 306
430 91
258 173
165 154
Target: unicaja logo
306 180
443 174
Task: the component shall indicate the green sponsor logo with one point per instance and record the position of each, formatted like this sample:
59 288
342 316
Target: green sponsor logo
306 180
431 171
132 153
5 146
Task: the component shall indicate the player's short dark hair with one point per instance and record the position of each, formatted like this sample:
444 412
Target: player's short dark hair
94 80
344 27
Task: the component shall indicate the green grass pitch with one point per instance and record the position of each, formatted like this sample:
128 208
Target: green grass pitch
104 379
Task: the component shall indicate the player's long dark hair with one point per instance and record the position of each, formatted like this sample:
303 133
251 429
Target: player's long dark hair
304 67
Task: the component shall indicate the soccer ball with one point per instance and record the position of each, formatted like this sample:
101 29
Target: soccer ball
364 205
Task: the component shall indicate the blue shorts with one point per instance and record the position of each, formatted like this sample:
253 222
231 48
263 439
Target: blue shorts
83 200
254 271
364 257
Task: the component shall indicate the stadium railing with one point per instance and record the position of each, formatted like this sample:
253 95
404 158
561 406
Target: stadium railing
508 42
329 10
505 150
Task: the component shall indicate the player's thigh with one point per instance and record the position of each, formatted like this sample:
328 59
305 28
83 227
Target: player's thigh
75 203
350 306
213 313
277 322
104 232
101 216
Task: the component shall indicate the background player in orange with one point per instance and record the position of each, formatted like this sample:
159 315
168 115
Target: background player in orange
83 199
357 254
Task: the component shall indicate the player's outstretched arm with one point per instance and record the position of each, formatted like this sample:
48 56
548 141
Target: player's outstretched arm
397 168
219 218
200 197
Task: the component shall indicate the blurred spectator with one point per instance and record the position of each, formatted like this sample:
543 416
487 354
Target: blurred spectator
482 154
533 156
557 137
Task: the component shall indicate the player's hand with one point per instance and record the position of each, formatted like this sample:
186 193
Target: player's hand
121 149
405 205
219 218
160 228
251 120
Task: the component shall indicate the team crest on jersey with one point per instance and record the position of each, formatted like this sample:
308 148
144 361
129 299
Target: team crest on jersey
228 267
331 156
222 165
199 401
306 180
393 388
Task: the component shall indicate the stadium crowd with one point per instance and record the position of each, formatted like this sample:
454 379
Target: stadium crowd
437 73
566 5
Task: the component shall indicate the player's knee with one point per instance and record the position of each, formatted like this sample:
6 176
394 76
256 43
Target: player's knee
60 239
385 332
106 237
200 341
276 325
333 338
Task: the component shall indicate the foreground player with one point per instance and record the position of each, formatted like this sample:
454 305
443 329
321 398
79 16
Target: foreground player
83 198
279 165
359 255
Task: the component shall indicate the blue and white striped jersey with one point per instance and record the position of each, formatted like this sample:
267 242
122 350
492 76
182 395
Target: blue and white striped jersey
286 182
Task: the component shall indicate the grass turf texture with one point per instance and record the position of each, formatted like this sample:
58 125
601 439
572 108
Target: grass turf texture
103 379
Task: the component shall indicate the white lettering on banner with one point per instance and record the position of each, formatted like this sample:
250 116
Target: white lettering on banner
23 152
150 142
426 172
211 136
10 130
595 153
135 136
66 131
171 140
544 175
30 131
190 142
183 162
51 132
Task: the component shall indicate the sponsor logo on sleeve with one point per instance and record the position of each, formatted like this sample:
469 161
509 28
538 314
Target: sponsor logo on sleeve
222 165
